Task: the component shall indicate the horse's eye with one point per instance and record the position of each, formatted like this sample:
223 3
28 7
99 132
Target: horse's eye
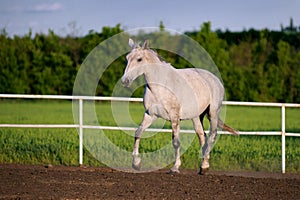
139 59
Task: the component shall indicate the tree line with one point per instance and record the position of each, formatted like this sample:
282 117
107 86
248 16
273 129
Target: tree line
255 65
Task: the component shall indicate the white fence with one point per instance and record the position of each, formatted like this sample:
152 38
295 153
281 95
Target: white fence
81 126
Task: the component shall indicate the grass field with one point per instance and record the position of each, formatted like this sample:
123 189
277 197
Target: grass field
60 146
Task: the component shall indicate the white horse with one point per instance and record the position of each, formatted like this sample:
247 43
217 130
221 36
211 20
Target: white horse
174 95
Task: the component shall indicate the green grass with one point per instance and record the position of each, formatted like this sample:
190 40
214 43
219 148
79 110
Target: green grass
60 146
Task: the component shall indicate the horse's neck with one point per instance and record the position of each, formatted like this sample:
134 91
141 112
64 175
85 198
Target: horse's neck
160 74
159 71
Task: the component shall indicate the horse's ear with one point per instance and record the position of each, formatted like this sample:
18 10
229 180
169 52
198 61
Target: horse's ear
131 43
146 44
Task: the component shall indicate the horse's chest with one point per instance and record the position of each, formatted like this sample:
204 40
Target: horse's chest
159 110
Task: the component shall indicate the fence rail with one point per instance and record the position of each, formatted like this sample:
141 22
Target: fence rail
81 126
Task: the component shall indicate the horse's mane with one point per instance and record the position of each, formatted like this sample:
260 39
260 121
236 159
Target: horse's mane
161 59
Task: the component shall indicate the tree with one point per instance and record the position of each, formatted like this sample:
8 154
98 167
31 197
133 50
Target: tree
255 65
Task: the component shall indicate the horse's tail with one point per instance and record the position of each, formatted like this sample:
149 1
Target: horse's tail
225 127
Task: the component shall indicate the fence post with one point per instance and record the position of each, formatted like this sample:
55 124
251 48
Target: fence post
80 131
283 136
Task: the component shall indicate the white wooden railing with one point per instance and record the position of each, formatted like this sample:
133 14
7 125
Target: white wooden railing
81 126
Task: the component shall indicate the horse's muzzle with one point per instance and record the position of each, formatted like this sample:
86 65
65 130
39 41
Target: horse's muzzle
125 82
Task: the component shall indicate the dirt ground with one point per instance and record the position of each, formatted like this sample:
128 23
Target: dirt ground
60 182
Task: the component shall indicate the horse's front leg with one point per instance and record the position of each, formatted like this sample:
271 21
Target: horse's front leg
176 145
147 121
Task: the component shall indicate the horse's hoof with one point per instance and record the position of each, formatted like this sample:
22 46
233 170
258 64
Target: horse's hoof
136 163
136 167
173 171
203 171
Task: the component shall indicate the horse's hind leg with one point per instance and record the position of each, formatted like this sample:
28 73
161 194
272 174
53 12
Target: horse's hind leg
147 121
210 142
176 145
205 113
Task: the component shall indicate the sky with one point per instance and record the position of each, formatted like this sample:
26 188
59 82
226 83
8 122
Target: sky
78 17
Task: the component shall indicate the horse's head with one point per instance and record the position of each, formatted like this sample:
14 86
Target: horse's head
137 60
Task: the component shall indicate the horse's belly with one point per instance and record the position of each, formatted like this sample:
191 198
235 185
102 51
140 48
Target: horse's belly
192 111
194 105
